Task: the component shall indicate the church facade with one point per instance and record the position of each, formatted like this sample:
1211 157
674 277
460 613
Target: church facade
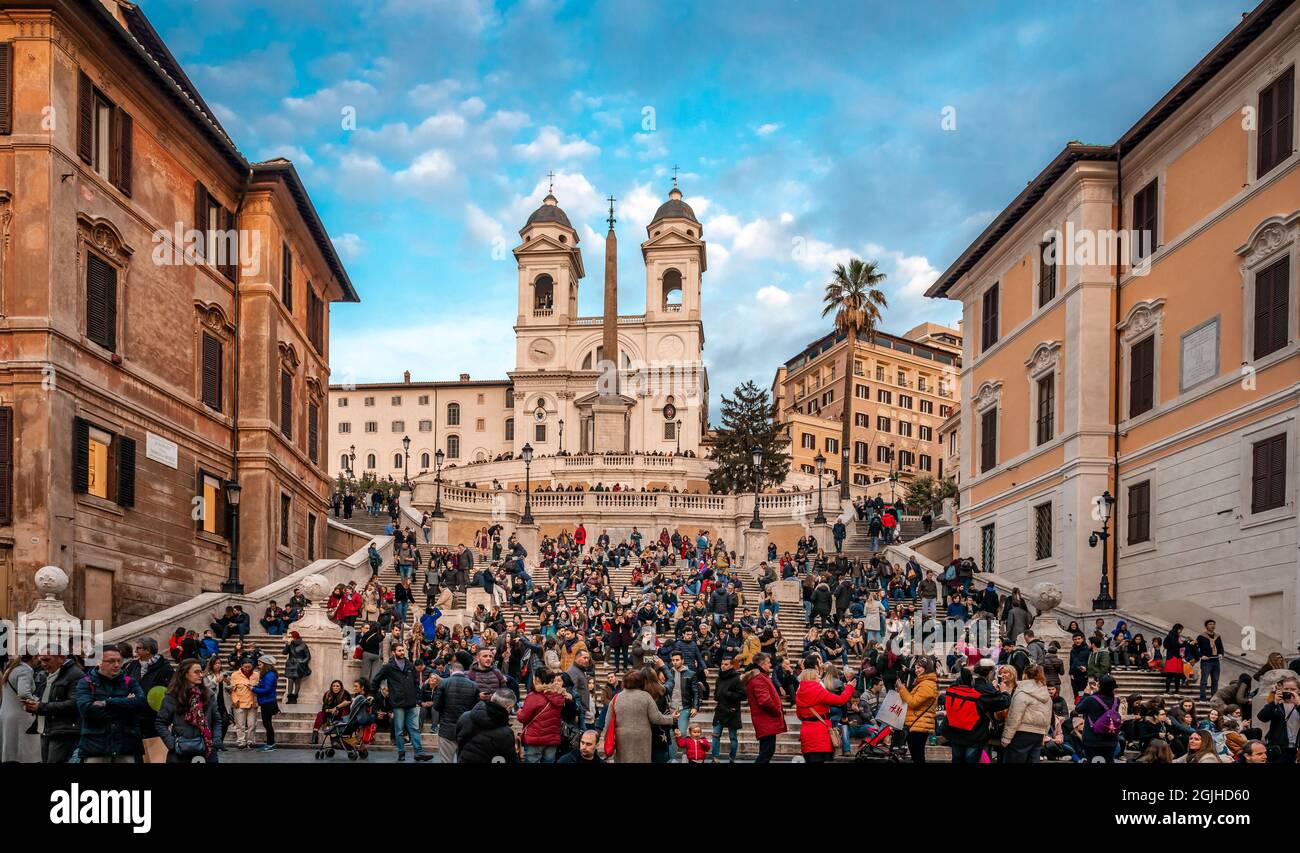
563 393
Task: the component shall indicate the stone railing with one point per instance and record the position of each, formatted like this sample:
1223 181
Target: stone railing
197 612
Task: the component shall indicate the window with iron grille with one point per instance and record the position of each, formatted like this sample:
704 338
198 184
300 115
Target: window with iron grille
1043 532
988 544
286 505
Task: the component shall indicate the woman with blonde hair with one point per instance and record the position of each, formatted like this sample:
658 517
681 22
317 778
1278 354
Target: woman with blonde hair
1029 717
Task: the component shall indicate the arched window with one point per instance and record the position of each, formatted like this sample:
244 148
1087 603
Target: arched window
371 462
598 355
343 462
672 290
397 460
543 293
453 447
453 414
510 429
424 460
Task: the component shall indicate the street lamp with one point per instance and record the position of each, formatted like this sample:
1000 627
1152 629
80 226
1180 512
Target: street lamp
352 462
821 469
679 436
757 455
527 453
893 474
232 584
1104 600
561 435
406 464
437 503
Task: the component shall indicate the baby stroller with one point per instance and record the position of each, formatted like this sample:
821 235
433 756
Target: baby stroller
345 732
878 745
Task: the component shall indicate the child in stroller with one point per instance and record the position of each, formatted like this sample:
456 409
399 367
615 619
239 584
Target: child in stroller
350 731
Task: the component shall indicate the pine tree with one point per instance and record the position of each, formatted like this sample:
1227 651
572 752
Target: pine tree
748 420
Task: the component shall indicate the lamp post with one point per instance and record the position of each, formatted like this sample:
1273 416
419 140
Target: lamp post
352 462
406 463
232 584
1104 600
893 474
437 503
527 453
679 436
821 469
757 455
561 435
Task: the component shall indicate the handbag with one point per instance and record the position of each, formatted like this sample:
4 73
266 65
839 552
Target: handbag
837 737
612 729
189 747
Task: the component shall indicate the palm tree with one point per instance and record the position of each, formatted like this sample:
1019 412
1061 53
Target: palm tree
853 295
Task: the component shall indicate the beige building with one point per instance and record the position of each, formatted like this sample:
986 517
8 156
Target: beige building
903 389
548 400
164 324
1162 367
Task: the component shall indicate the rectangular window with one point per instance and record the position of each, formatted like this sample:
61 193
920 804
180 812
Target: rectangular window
1046 272
882 423
880 373
105 134
6 88
670 430
1141 377
926 462
1145 207
904 401
862 392
286 277
905 459
1139 512
313 432
211 372
927 407
101 302
399 426
315 320
480 425
286 505
286 403
372 426
103 464
345 427
311 537
828 397
989 440
368 401
882 454
989 318
510 429
945 411
883 396
905 429
539 433
1276 122
808 441
1046 408
988 547
424 399
861 453
1268 474
343 402
219 238
1272 309
210 504
426 426
6 464
1043 532
832 445
925 433
860 419
396 400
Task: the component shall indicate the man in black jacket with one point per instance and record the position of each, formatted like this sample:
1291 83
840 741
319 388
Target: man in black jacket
966 744
483 733
1079 655
404 694
455 696
111 704
58 722
149 669
730 694
1282 713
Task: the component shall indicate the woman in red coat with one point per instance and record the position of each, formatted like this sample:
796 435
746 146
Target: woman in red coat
764 707
541 716
812 704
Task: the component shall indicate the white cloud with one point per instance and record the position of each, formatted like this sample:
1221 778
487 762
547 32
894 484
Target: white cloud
772 296
787 217
551 145
651 146
434 94
432 168
508 120
348 245
486 345
576 194
327 104
481 226
767 129
473 107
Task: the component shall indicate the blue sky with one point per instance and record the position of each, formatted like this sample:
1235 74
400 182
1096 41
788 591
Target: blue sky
806 133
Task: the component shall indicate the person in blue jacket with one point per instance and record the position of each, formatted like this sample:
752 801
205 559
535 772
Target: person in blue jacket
267 702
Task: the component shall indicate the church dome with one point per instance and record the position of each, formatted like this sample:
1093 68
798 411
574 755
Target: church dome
550 211
674 208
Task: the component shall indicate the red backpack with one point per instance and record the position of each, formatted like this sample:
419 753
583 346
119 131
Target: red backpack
962 708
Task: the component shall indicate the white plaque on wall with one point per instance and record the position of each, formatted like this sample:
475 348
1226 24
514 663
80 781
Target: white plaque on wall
160 449
1200 354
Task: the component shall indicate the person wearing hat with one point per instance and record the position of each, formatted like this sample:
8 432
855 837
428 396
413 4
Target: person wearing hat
267 702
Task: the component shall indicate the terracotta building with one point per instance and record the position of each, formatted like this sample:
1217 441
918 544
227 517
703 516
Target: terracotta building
904 388
1132 320
164 326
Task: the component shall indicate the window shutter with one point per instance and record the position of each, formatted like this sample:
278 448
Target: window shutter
212 372
6 464
1141 377
201 217
85 118
101 302
286 403
121 158
125 471
1277 472
80 456
1261 466
232 245
286 276
6 88
988 440
313 431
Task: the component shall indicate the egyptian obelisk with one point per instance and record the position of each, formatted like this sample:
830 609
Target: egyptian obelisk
610 409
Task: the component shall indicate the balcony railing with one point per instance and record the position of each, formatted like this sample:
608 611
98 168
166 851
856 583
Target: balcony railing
543 312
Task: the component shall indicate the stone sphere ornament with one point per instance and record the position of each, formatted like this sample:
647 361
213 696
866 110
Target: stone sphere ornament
51 580
313 585
1045 596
